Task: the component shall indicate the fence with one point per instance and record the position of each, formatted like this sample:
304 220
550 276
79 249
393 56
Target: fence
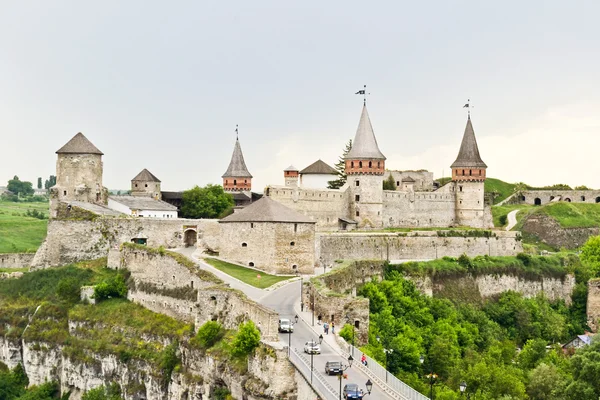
319 384
387 379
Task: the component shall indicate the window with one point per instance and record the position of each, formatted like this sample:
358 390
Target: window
65 193
397 183
251 224
463 172
356 182
351 164
251 264
360 164
357 213
136 185
378 164
292 243
460 188
146 185
479 172
470 172
295 227
357 197
244 244
370 164
235 181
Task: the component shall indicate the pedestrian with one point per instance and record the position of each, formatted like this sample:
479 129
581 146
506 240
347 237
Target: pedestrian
326 328
333 328
319 320
363 360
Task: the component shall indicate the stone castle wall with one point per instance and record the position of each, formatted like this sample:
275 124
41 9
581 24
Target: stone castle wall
366 200
423 179
325 206
70 241
163 285
546 196
280 248
411 246
470 205
549 231
16 260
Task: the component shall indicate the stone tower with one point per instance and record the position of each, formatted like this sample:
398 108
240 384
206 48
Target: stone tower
237 178
290 174
145 184
79 173
468 174
365 165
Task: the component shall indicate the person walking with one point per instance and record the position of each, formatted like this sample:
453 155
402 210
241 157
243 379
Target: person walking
319 320
333 328
326 328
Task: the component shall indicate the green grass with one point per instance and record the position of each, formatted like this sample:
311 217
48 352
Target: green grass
247 275
503 189
572 215
14 270
499 211
19 233
457 228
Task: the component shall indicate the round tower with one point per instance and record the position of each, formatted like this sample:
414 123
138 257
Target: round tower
290 174
79 172
365 166
145 184
237 178
468 175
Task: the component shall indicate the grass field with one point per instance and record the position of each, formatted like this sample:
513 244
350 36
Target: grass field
18 232
499 211
573 215
247 275
504 189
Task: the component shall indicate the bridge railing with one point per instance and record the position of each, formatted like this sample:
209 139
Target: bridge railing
319 384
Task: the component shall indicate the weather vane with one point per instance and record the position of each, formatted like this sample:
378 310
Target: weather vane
236 132
364 93
468 106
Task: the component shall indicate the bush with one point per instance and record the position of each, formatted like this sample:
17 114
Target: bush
347 332
168 361
209 334
112 392
68 290
246 340
110 288
503 219
465 261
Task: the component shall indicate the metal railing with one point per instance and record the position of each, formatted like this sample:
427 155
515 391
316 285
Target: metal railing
386 378
323 389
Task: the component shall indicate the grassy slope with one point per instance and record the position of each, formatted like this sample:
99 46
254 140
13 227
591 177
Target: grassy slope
498 211
504 189
247 275
572 215
18 233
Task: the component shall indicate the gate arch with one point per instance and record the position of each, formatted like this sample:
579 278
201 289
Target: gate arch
190 237
537 201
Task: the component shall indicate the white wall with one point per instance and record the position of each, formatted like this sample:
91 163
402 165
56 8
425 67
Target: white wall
316 181
157 214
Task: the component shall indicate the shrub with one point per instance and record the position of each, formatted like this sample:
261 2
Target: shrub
209 334
465 261
503 219
246 340
168 361
68 290
346 332
111 392
111 288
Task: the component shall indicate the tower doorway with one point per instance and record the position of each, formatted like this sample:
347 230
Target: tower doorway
190 238
537 201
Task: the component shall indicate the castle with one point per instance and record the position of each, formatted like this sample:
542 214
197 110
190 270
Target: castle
363 203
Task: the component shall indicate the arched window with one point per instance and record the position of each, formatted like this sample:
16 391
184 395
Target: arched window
537 201
251 264
378 164
582 198
360 164
292 243
235 181
352 164
470 172
244 244
463 172
370 164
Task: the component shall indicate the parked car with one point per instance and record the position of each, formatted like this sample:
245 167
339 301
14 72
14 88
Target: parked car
351 391
285 325
333 368
312 347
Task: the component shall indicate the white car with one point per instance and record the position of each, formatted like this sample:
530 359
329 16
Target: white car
285 325
312 347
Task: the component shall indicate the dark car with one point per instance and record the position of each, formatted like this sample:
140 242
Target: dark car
351 391
333 368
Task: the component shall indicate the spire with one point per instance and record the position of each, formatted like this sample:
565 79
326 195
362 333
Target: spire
468 156
364 145
79 144
237 166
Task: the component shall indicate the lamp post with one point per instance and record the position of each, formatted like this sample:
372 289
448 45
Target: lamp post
432 376
463 388
311 359
301 286
386 351
345 367
290 334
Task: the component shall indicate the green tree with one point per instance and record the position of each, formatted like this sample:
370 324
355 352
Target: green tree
246 340
68 289
19 187
209 334
389 183
582 187
590 254
533 352
210 201
111 392
39 185
340 166
110 288
545 383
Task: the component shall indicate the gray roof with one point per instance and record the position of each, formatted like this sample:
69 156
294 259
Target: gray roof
364 145
408 179
96 208
319 167
143 203
267 210
146 176
237 166
290 168
468 156
79 144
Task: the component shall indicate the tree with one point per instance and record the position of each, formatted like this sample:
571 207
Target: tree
209 334
111 392
210 201
582 187
590 254
39 185
246 340
340 166
545 383
19 187
389 183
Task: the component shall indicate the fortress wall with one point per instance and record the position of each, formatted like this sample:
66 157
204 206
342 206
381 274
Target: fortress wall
325 206
70 241
16 260
418 209
214 301
423 179
576 196
269 245
414 246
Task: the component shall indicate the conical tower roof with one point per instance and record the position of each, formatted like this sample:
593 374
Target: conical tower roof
237 166
146 176
365 145
468 156
79 144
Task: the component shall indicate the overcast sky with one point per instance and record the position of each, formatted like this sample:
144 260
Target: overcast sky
161 85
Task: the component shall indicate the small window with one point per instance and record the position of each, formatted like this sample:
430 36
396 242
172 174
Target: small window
356 197
460 188
582 198
351 164
370 164
235 181
357 213
146 185
295 227
251 264
397 183
244 244
479 172
357 184
65 193
251 224
136 185
378 164
360 164
292 243
463 172
192 286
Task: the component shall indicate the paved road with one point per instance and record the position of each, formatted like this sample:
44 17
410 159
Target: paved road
512 220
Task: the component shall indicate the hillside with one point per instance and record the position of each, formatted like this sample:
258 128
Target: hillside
500 189
22 226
